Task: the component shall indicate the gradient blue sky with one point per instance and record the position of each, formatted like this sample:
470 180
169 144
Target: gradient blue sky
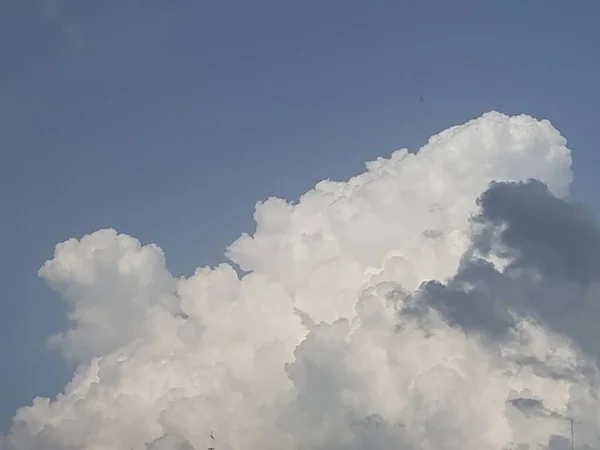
168 120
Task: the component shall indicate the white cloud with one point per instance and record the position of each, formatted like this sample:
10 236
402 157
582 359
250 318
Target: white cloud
330 340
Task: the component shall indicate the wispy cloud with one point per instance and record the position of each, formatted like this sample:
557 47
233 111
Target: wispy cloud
54 12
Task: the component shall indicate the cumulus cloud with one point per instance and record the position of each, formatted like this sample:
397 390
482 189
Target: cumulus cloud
444 299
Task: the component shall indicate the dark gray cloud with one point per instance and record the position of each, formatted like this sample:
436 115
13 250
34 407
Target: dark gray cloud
559 443
558 238
170 441
534 408
553 277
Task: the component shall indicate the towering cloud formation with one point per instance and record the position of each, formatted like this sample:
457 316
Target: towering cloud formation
446 299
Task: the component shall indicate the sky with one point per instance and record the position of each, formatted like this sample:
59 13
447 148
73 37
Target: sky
169 121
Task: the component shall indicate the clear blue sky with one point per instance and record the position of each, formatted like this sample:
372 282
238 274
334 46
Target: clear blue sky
168 120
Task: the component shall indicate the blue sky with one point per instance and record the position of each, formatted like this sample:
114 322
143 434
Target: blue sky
169 120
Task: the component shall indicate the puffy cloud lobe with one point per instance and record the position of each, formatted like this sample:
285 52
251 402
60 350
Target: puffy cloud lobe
371 313
110 281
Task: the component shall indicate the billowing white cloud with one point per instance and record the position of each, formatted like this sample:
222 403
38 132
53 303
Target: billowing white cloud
372 313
